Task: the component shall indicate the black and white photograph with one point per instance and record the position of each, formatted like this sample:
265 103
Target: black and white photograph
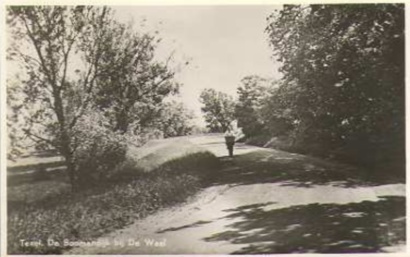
204 129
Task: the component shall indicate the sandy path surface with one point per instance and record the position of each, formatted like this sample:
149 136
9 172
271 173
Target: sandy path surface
267 201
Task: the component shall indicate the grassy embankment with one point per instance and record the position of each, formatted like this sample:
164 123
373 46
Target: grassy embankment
159 174
373 165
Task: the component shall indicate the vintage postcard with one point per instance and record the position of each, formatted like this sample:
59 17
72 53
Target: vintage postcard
210 128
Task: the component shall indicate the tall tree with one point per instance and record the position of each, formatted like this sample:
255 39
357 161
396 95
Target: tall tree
247 109
343 69
132 84
46 41
79 60
218 109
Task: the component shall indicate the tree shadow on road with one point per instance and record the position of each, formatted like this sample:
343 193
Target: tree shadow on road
264 228
320 228
289 169
193 225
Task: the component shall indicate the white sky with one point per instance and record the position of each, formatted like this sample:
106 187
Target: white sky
222 43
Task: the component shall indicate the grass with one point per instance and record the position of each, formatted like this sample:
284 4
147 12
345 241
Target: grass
35 161
155 153
38 214
36 166
379 165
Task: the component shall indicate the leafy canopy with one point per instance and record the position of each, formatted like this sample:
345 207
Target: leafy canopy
218 109
343 67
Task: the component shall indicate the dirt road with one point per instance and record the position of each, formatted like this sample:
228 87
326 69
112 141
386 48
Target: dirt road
268 201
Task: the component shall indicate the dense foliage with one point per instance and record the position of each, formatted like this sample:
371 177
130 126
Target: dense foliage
98 149
343 86
218 109
84 81
342 91
249 104
132 84
176 120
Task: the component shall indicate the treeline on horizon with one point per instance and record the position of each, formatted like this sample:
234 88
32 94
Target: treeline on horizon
342 94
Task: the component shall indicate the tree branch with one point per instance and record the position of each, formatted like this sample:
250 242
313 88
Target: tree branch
39 138
38 50
93 68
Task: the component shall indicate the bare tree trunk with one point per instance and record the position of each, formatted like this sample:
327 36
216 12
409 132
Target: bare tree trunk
68 155
71 171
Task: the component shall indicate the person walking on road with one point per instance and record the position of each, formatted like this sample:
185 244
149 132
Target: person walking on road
229 141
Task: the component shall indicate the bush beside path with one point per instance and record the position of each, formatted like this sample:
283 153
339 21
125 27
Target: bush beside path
43 215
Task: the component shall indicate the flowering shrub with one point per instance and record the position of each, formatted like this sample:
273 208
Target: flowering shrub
98 150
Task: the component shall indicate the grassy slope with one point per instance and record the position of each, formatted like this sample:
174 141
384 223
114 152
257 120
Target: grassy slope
176 169
378 169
